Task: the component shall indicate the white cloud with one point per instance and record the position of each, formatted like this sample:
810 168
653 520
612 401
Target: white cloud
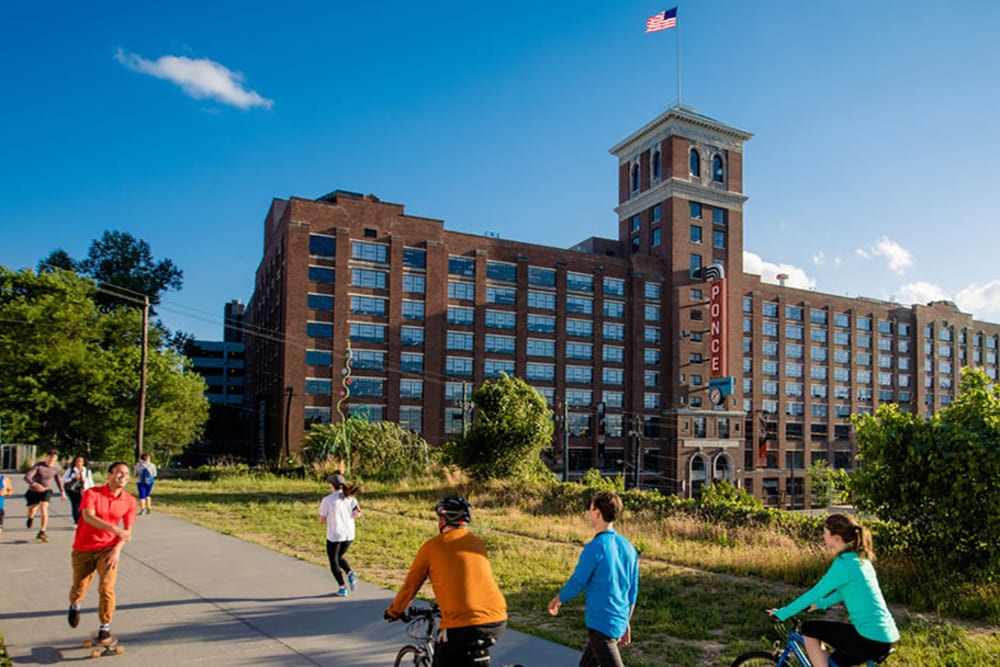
983 301
201 79
819 259
898 258
768 272
920 292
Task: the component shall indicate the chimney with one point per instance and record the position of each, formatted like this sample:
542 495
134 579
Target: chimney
782 278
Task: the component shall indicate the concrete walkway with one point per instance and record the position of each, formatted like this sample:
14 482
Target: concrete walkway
189 595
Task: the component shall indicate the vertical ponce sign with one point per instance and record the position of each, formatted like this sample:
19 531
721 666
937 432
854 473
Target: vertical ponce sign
717 321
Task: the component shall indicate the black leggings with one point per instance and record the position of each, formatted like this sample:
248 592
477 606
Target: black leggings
335 553
468 646
850 648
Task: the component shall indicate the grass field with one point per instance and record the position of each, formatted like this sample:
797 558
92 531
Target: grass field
703 587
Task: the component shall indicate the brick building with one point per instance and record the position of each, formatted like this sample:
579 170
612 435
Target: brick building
617 333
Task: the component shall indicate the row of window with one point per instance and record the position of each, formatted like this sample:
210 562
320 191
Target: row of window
694 168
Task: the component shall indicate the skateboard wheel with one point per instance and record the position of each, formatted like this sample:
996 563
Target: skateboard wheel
87 643
119 650
95 654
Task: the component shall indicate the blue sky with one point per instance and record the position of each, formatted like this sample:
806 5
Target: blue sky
871 172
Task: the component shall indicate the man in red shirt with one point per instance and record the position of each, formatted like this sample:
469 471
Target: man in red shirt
108 513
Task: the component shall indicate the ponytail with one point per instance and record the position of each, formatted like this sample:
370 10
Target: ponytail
855 536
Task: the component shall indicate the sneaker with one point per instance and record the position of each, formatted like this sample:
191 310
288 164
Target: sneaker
104 636
342 593
73 616
149 511
41 536
352 580
29 521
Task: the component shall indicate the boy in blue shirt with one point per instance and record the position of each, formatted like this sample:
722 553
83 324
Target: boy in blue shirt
608 570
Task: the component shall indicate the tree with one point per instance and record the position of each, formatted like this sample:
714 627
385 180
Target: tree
512 425
124 269
938 476
827 486
69 373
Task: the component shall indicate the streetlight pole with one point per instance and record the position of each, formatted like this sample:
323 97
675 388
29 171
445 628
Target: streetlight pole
565 433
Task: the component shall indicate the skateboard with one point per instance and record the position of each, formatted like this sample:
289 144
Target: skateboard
41 538
110 647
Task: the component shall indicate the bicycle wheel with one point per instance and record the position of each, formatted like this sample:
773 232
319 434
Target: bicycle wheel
755 659
411 656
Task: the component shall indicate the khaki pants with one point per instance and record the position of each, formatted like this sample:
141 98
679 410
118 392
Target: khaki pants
85 565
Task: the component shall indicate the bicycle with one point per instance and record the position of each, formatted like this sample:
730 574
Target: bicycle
793 645
421 625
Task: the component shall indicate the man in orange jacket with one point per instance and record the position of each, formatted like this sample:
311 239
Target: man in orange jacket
473 610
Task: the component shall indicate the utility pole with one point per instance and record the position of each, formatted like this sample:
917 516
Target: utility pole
142 379
565 427
638 453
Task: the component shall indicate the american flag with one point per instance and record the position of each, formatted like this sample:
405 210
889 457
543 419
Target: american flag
662 21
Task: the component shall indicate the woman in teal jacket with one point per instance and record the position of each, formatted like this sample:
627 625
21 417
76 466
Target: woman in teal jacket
851 580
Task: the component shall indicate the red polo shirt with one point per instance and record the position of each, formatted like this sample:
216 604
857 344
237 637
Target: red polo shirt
107 508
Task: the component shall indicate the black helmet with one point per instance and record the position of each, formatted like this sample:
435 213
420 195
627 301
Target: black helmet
454 510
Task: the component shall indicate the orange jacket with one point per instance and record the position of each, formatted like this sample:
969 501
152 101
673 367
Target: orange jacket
462 579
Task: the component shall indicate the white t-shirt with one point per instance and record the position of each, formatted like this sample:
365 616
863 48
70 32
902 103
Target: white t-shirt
339 512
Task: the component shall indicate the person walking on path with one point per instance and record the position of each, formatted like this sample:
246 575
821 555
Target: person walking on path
851 579
108 514
5 490
77 480
145 475
608 570
39 480
473 610
338 510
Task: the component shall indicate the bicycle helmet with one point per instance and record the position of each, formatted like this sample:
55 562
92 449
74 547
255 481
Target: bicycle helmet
454 511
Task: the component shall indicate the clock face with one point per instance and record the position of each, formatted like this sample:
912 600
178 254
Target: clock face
715 395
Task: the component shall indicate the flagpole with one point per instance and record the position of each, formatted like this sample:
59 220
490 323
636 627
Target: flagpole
678 59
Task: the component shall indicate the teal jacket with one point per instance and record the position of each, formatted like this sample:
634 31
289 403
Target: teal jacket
850 580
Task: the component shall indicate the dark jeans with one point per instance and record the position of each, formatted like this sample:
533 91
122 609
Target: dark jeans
335 553
601 651
74 504
468 646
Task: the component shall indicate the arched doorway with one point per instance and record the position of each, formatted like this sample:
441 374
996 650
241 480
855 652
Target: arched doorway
698 474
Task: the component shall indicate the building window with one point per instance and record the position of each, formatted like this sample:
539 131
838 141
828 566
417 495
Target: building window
614 287
541 300
579 305
318 387
544 324
584 351
322 246
635 177
318 274
718 216
696 266
411 336
369 360
413 283
319 358
656 213
368 278
584 328
694 163
493 368
540 372
319 302
539 347
540 277
718 239
411 362
413 310
579 282
717 170
614 310
655 237
462 266
367 305
501 344
411 417
501 271
695 210
460 366
614 354
657 166
461 291
611 331
460 315
369 252
415 258
368 333
504 296
635 223
455 340
319 330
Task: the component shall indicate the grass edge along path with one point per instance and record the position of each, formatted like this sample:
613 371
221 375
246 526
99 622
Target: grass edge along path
686 615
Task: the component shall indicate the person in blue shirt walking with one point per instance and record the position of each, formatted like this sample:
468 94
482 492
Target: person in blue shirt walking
608 570
851 580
